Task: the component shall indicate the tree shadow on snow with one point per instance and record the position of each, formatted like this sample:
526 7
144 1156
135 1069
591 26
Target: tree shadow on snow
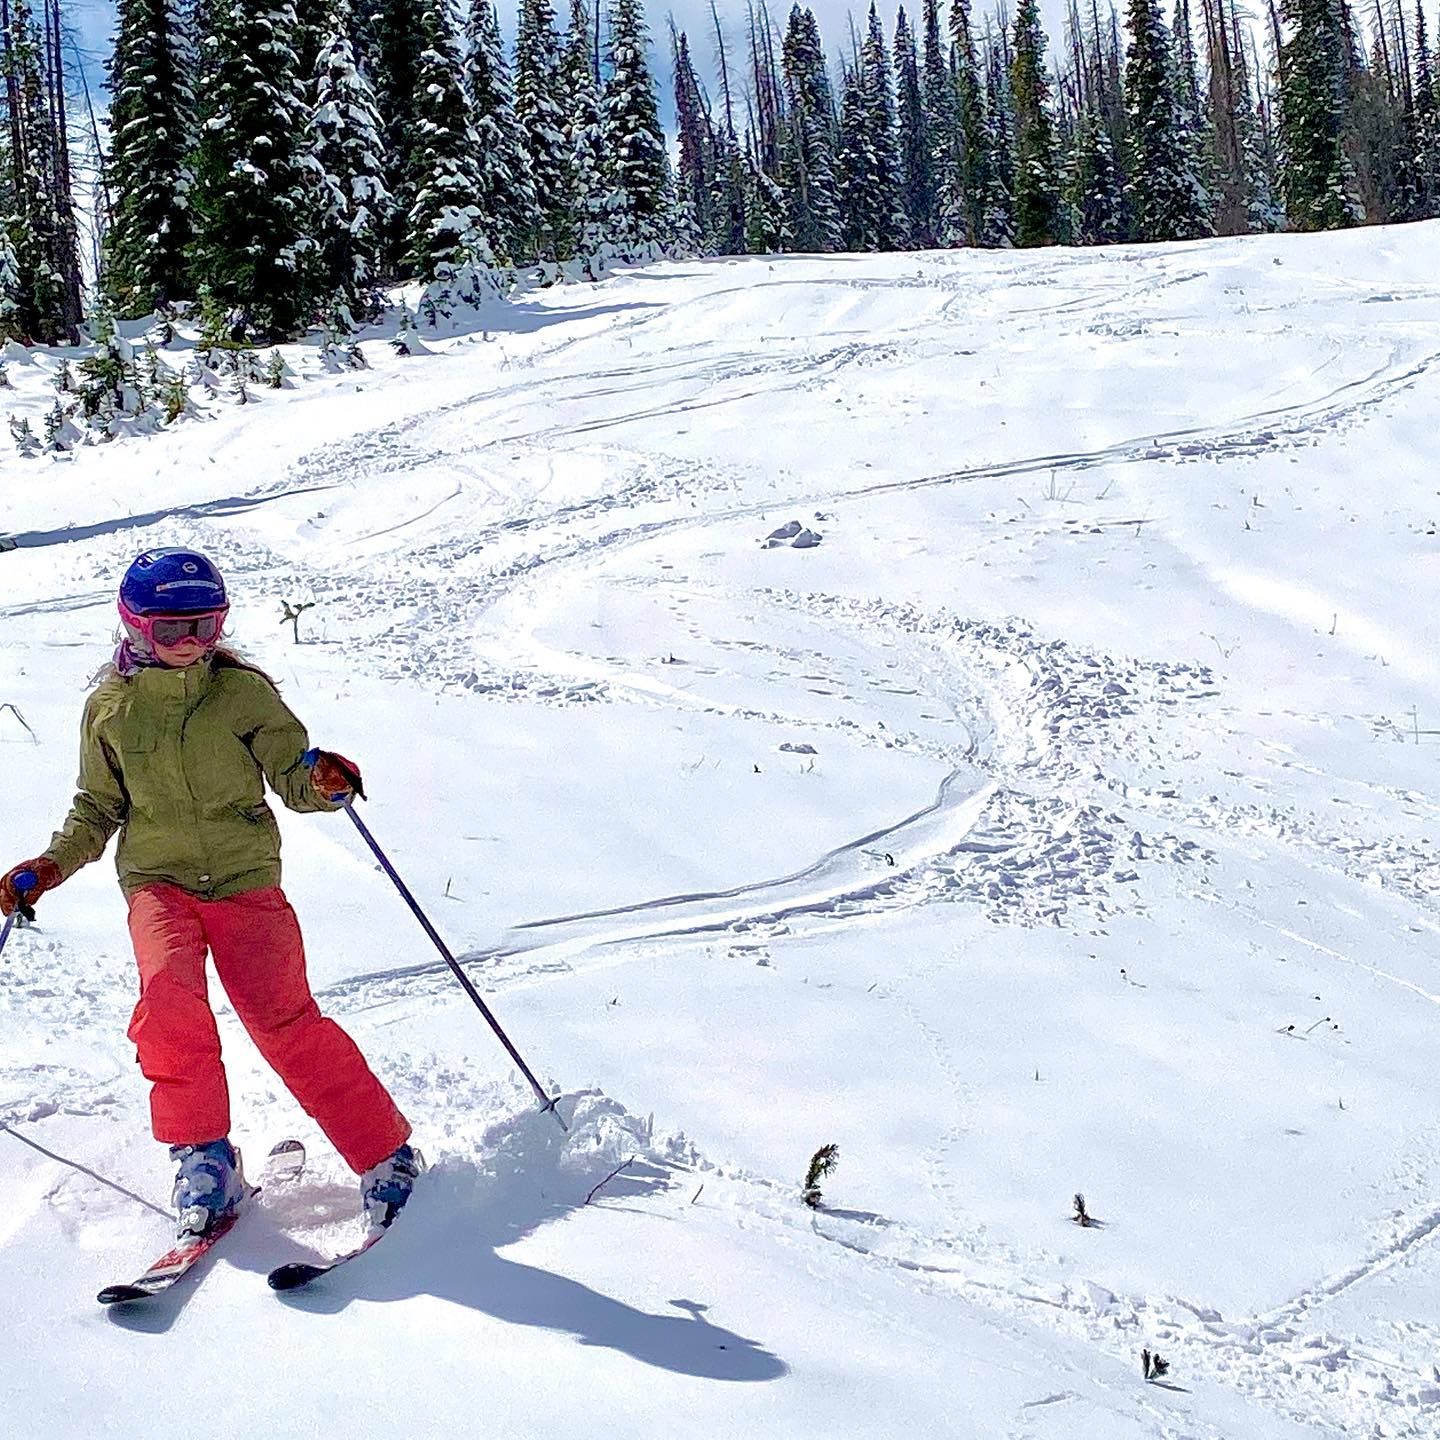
463 1213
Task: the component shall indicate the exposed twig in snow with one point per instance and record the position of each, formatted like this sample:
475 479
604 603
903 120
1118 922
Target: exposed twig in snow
623 1164
21 719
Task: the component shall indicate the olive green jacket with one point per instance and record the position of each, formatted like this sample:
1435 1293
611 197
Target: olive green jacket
173 760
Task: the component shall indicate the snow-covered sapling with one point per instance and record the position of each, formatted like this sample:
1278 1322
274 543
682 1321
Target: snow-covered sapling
64 378
55 428
5 377
822 1165
24 436
1152 1366
1082 1216
276 370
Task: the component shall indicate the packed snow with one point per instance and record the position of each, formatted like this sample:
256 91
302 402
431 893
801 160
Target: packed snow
977 709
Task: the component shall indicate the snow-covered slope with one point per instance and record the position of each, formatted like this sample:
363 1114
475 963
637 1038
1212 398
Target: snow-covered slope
1063 820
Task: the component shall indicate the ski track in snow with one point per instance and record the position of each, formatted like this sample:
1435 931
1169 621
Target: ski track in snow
1031 823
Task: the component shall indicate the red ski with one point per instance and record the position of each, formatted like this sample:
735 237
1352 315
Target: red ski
284 1163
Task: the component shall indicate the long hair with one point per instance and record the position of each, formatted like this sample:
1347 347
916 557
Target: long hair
222 657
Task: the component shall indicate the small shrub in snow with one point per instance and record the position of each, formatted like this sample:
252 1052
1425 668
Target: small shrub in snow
1152 1366
822 1165
175 399
276 370
293 613
1081 1215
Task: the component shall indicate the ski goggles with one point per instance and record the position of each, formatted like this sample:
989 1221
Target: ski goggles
204 626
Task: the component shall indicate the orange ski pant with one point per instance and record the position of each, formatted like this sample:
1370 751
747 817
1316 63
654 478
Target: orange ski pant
260 960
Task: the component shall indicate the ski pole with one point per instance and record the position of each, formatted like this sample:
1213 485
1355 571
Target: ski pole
25 880
546 1102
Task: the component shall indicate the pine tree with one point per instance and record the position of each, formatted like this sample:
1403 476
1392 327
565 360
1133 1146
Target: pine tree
767 220
540 112
354 203
1197 137
997 199
592 201
1316 176
855 165
727 232
507 194
152 125
445 225
1162 189
886 224
1037 183
917 165
1427 119
10 309
1097 195
975 176
313 28
810 167
41 221
634 142
939 99
696 144
389 38
256 182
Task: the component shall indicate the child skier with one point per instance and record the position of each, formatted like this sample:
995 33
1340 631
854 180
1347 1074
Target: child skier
175 740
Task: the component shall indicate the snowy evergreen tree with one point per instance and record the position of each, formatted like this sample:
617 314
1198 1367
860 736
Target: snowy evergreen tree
593 203
1427 119
1037 180
727 232
917 164
855 165
152 126
313 28
946 146
976 174
349 151
1316 177
1163 192
1197 135
256 181
696 175
634 142
540 111
810 176
389 38
885 225
40 223
997 199
767 217
445 225
1096 195
507 195
10 311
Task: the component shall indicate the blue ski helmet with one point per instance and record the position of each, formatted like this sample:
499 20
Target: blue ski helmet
171 582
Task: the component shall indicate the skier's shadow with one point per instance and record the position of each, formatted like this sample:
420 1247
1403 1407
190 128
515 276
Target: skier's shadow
462 1213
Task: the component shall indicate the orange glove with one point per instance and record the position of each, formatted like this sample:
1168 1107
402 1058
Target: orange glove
47 877
333 775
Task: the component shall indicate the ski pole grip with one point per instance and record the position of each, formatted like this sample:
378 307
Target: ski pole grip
24 882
